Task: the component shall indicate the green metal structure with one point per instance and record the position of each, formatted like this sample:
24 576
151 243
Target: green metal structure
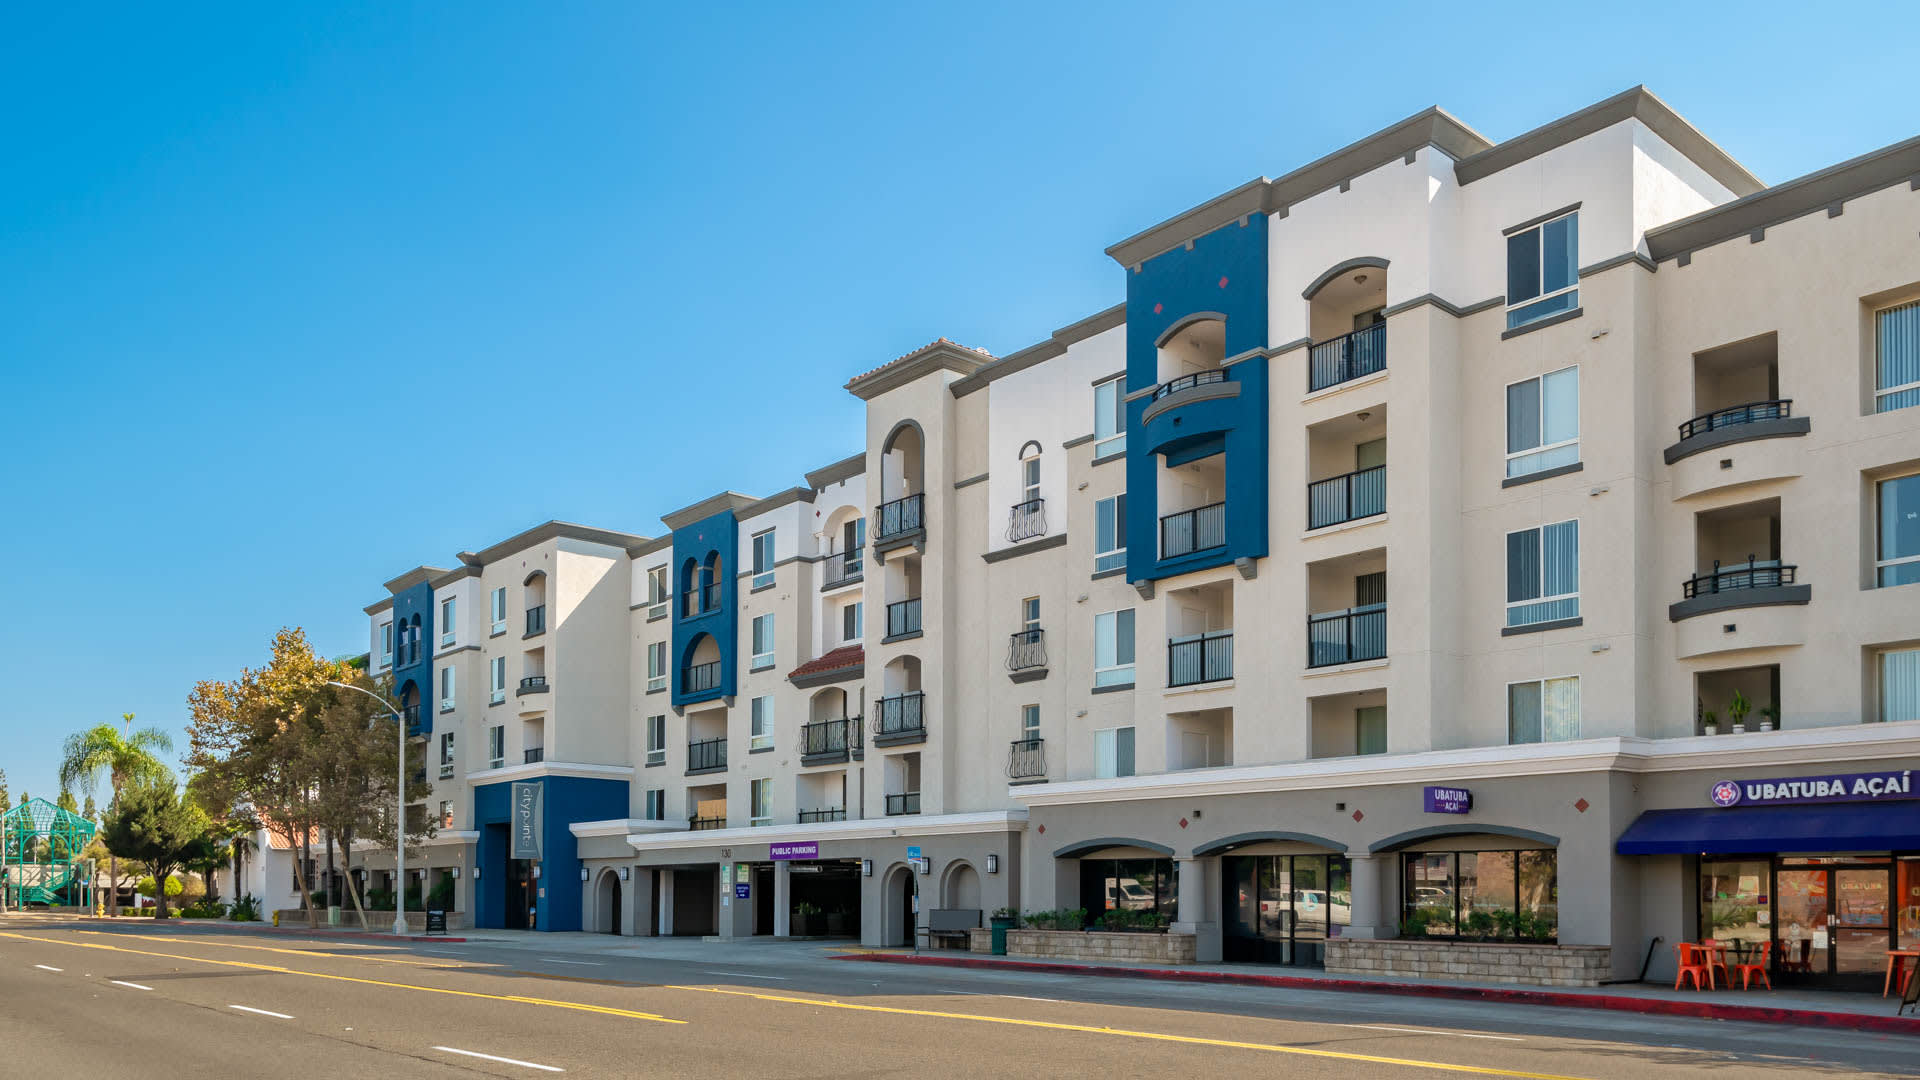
40 860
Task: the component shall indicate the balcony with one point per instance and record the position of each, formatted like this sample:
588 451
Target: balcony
1027 759
905 803
844 568
903 619
810 817
829 742
536 754
706 756
1772 419
897 520
1754 583
1189 531
700 600
1193 659
702 824
1188 382
1348 497
900 719
532 684
1027 520
1347 357
1347 637
1027 655
700 678
536 620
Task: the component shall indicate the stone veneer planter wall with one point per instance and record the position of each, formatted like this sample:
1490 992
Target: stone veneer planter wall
1532 965
1090 945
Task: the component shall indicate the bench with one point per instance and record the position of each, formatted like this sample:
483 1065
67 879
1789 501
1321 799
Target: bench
950 925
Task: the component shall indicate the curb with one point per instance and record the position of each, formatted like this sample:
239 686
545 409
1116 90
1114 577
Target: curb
312 933
1707 1010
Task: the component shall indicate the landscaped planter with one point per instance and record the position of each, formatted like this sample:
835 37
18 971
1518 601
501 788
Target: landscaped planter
1530 965
1092 945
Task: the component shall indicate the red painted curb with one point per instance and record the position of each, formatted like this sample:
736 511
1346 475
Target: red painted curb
312 933
1709 1010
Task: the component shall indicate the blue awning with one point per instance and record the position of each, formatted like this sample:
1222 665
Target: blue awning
1888 826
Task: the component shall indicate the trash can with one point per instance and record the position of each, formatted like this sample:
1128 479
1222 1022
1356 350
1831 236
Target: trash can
334 914
1002 924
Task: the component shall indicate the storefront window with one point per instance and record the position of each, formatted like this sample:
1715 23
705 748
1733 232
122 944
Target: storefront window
1734 904
1282 908
1133 885
1908 899
1481 895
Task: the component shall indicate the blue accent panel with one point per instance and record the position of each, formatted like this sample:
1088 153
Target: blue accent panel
409 604
693 546
565 800
1183 283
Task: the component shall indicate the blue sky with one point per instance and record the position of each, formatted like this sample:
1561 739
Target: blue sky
295 298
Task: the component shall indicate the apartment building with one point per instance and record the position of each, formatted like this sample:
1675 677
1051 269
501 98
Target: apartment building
1496 547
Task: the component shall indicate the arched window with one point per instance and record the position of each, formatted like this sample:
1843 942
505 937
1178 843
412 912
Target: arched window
710 579
1030 472
1027 519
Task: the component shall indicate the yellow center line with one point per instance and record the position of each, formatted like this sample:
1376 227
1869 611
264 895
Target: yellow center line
515 998
1194 1040
181 939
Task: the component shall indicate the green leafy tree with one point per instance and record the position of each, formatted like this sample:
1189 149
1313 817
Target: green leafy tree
90 812
5 799
126 760
151 826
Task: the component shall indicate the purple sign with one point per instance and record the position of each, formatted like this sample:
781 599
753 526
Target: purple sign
1842 787
741 890
783 852
1449 800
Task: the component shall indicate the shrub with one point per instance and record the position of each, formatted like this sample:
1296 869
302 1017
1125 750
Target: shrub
245 909
204 909
1061 919
440 897
1007 913
379 899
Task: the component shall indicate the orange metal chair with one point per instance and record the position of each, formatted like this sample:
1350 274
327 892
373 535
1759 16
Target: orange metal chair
1714 955
1692 965
1756 965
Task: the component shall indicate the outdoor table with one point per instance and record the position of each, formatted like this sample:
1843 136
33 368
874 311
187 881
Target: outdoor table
1717 958
1896 961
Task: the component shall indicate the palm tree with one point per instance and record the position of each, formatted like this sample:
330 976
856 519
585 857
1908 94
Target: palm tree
126 759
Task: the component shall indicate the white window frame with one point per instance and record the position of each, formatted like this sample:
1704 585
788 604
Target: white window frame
1569 736
1030 613
497 680
760 723
760 802
1115 440
446 747
763 574
656 666
1104 770
1880 564
1115 674
446 813
1115 559
497 614
449 614
1543 598
449 687
1030 478
659 592
1879 363
1029 721
1543 448
655 808
856 611
496 746
386 644
1540 272
657 739
762 660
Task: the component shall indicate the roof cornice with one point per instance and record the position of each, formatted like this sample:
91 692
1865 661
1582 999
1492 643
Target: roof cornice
1834 184
1638 103
776 500
554 530
451 576
1055 345
845 469
414 577
942 355
658 543
707 507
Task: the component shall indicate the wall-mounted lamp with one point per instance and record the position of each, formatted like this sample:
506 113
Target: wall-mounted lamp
926 864
866 867
993 864
536 871
625 872
583 873
456 873
476 873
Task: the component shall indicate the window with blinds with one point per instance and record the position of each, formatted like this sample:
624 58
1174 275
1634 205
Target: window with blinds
1896 383
1543 574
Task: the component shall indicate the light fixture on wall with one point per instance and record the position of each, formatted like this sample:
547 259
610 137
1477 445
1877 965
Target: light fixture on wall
583 873
476 873
866 867
456 873
536 871
624 872
993 864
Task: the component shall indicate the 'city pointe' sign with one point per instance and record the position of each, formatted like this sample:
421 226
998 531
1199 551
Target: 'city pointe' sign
1847 787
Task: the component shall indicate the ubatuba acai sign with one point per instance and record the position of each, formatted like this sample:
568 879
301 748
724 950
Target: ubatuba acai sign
1847 787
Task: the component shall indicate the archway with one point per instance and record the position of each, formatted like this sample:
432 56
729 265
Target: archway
898 917
606 904
962 889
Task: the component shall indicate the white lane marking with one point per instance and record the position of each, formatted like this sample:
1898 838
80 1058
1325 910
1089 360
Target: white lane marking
750 975
503 1060
1426 1031
44 967
1017 997
128 985
580 963
262 1012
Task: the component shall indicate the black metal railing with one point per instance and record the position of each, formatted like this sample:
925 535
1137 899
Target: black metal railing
536 754
831 738
1347 497
1346 637
1027 520
537 619
903 617
1752 574
1028 757
1193 530
710 596
1027 650
699 678
1200 658
411 715
1188 382
902 714
836 813
1752 412
899 517
842 568
701 824
533 684
908 803
707 754
1347 357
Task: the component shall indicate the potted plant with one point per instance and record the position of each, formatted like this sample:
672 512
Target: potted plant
1769 717
1709 723
1738 709
809 920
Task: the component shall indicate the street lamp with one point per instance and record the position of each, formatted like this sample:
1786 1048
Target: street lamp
400 819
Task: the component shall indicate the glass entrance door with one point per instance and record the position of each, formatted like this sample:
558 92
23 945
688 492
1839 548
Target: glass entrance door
1862 927
1802 907
1835 921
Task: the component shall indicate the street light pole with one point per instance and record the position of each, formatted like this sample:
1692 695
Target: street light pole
400 818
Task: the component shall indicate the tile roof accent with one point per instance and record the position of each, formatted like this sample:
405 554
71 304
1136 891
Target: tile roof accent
838 661
937 355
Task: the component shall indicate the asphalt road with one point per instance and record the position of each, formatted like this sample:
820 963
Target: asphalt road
77 998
